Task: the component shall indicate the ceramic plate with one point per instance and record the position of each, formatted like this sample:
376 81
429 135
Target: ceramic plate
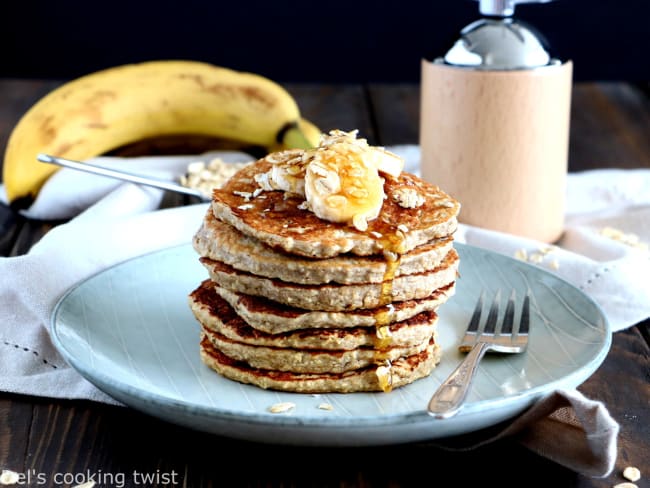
129 331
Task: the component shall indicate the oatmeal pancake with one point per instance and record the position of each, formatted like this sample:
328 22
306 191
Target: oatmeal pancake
272 317
308 360
414 210
336 297
215 314
372 378
326 268
221 242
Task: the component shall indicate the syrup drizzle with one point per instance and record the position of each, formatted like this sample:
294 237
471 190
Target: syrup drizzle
393 245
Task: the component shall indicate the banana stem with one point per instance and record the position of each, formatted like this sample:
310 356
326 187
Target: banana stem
291 136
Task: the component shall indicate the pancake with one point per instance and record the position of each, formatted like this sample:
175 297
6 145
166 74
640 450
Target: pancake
326 270
336 297
307 360
271 317
221 242
215 314
281 221
375 377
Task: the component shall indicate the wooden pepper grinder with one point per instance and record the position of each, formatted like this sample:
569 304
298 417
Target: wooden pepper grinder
494 127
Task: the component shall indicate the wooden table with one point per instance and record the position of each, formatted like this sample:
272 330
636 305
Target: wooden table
610 128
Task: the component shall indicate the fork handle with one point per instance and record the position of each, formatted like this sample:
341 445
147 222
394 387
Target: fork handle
450 395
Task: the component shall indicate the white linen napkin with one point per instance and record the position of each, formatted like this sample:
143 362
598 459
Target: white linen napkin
112 221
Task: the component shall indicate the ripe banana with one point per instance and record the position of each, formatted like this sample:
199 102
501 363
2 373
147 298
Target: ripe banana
108 109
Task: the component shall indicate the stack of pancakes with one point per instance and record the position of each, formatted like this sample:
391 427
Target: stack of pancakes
297 303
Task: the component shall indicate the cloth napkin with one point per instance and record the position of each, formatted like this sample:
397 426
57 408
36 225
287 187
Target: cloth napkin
603 252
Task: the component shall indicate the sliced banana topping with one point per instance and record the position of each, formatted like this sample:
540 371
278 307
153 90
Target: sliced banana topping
287 173
341 186
340 178
385 161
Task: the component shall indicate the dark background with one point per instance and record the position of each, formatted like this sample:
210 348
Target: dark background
357 41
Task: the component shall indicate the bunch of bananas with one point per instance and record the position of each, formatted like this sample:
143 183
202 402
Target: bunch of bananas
105 110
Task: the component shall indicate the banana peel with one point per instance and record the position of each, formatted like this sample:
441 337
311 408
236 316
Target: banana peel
108 109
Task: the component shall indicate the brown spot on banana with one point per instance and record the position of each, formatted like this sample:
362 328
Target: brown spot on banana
247 92
47 130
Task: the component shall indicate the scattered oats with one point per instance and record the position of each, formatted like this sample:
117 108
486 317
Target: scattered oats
263 180
304 206
403 228
547 249
543 255
408 198
246 206
319 169
286 156
360 223
325 406
246 195
196 167
631 473
446 204
257 192
612 233
521 254
87 484
282 407
206 177
375 234
337 136
625 485
630 239
8 477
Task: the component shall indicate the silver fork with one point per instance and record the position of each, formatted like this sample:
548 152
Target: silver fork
479 339
122 175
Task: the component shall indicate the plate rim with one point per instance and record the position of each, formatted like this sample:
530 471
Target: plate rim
294 419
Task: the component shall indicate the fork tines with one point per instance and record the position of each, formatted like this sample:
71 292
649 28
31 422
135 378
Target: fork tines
509 335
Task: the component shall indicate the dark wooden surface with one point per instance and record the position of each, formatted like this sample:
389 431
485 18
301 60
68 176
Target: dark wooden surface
610 128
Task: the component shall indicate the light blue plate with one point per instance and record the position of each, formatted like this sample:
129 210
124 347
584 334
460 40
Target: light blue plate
129 331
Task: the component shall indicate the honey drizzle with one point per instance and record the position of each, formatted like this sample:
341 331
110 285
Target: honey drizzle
393 247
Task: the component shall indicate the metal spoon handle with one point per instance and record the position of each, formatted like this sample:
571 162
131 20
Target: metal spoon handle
121 175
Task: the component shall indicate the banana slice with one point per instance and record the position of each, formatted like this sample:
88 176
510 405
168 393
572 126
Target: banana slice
386 161
382 159
287 172
340 178
342 186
